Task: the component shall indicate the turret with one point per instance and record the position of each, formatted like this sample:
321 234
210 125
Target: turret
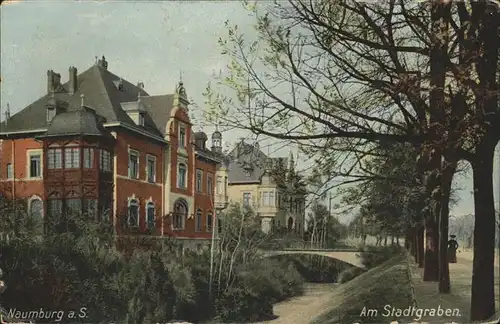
217 142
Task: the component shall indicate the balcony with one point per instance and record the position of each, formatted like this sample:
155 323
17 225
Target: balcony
221 201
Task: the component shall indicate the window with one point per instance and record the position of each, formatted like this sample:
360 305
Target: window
209 222
219 225
181 176
278 199
220 185
74 206
90 208
51 112
35 165
133 213
10 174
199 180
88 158
272 201
36 208
210 184
151 168
179 214
182 136
36 212
141 119
133 165
54 158
246 198
72 158
225 185
150 215
105 210
105 161
54 207
198 220
265 198
291 204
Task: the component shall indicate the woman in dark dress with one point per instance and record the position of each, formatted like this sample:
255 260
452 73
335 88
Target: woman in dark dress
452 249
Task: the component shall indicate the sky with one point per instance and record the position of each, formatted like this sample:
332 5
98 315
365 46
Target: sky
149 41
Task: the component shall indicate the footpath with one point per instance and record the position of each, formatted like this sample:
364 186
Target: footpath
458 301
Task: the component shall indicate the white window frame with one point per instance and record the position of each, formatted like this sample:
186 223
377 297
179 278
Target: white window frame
183 218
249 200
88 157
185 175
199 176
150 205
31 199
75 164
182 135
198 220
149 158
272 201
265 198
135 153
57 152
141 119
210 184
133 200
106 167
220 185
209 225
29 154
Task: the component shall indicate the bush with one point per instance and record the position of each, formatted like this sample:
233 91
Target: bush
77 265
349 274
372 256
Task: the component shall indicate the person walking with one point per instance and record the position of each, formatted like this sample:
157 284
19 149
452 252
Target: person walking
452 249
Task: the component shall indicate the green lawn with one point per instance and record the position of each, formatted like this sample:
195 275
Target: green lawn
362 300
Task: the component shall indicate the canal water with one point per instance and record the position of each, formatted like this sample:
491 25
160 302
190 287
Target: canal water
317 298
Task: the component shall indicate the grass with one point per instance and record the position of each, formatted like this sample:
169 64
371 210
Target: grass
386 284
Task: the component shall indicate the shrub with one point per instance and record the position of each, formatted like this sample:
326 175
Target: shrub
372 256
349 274
77 264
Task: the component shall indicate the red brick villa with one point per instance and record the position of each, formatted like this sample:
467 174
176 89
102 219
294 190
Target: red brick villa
103 146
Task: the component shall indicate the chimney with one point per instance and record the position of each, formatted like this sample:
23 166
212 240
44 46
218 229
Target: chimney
53 82
102 63
7 114
72 80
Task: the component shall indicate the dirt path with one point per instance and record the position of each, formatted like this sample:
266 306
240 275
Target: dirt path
427 295
302 309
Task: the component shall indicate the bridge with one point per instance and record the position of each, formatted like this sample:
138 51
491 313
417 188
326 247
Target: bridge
350 256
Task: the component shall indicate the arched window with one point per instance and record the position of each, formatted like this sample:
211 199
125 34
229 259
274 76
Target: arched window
198 222
179 214
150 215
210 220
182 176
36 207
133 213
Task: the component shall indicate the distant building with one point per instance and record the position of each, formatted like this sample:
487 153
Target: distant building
269 185
103 146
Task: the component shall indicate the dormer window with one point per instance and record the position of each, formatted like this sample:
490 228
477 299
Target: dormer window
51 112
141 119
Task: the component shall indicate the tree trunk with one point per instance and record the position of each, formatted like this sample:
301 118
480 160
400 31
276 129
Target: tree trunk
483 297
431 268
446 180
420 247
385 241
